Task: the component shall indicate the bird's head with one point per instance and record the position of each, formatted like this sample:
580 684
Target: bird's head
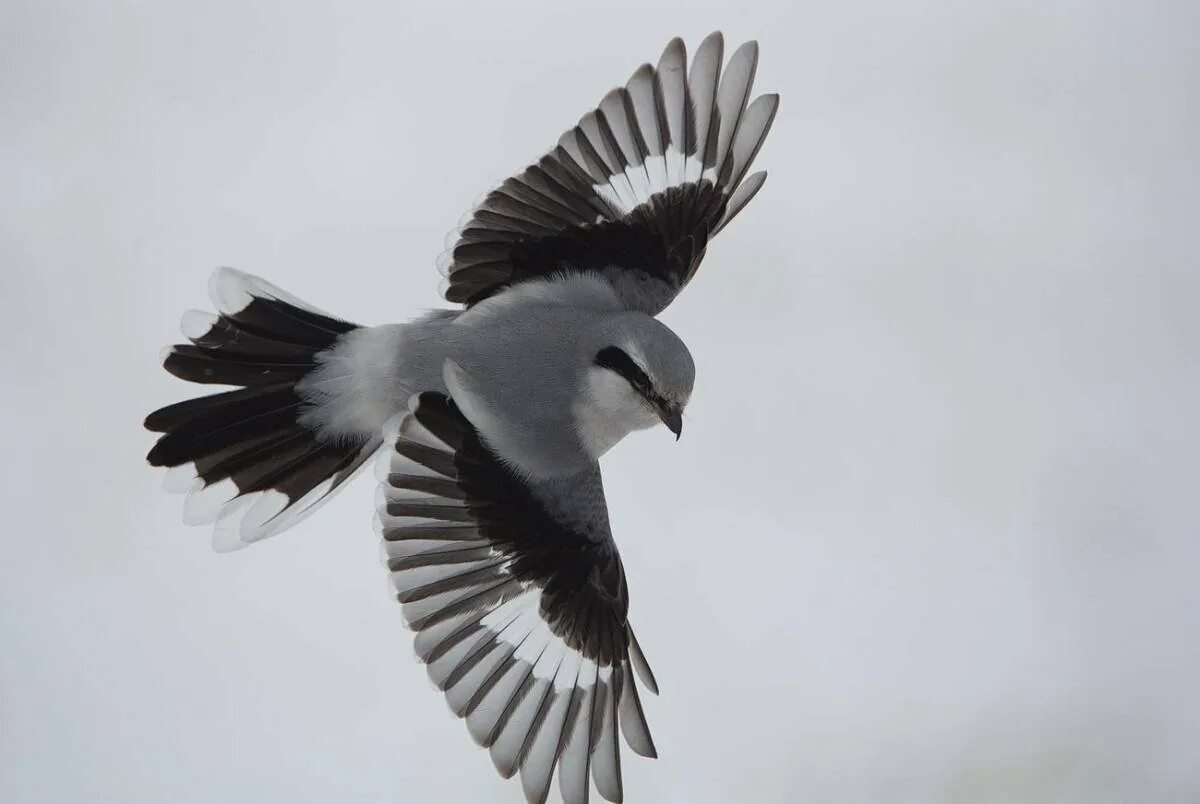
638 375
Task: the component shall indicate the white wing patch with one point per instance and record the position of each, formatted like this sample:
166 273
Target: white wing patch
537 703
644 158
611 176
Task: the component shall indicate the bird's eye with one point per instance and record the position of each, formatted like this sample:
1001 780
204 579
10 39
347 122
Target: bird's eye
616 359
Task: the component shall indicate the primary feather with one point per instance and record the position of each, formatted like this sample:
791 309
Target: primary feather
640 183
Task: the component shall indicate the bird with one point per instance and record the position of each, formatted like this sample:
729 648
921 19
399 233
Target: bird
487 420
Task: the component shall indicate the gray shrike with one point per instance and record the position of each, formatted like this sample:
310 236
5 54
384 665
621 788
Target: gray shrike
489 418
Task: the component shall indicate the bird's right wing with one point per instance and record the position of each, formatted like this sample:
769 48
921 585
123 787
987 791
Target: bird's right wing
634 191
519 612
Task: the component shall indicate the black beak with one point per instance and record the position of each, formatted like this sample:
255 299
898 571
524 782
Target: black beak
672 417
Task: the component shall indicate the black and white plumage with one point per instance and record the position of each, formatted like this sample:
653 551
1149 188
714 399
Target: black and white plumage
521 615
641 183
489 420
243 457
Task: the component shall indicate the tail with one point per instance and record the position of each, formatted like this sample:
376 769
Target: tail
242 457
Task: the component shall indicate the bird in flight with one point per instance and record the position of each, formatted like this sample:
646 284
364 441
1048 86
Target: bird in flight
489 419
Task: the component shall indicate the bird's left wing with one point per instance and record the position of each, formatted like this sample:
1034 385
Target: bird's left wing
634 191
519 611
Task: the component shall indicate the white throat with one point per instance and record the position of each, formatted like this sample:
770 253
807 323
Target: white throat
608 409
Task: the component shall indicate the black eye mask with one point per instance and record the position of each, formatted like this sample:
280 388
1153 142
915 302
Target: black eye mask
615 359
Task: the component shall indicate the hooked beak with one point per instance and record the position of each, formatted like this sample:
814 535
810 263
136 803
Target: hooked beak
672 417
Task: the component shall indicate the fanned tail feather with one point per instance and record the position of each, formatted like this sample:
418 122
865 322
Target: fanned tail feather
243 457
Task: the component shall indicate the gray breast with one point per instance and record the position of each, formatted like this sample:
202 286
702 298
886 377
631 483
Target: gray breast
525 363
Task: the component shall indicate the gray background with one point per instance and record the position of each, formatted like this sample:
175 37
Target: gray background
930 535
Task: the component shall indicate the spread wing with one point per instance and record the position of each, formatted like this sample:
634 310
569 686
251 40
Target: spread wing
634 191
519 609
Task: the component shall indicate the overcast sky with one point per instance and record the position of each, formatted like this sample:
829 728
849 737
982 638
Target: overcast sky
931 534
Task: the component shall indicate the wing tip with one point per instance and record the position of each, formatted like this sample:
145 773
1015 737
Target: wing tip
676 47
750 48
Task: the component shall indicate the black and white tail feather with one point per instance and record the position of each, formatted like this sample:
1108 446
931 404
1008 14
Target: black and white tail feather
520 616
243 457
